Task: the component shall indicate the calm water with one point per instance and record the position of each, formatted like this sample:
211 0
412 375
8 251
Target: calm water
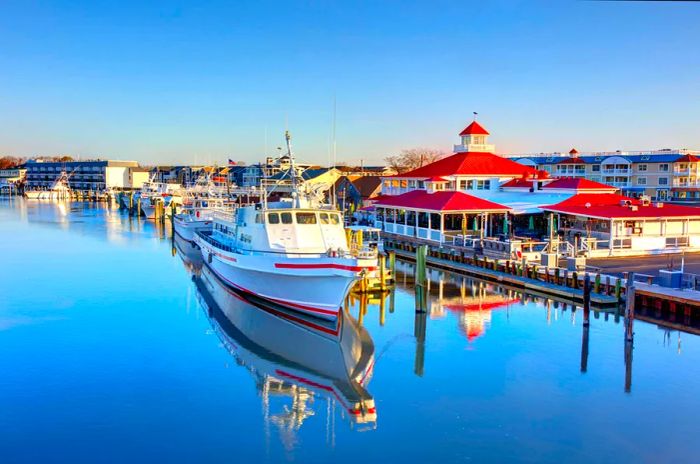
110 353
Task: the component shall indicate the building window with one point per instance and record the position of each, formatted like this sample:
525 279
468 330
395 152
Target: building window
663 167
595 168
421 184
462 184
642 167
663 180
641 181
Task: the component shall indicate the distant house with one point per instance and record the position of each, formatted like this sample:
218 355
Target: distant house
357 191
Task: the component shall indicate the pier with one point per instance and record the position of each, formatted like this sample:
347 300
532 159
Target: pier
607 290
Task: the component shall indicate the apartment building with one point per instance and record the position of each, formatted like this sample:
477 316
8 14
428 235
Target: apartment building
664 175
92 175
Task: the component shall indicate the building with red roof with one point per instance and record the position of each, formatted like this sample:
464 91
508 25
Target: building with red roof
611 224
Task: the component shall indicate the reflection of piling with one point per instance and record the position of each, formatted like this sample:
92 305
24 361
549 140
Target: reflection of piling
584 348
629 307
382 309
421 278
419 329
628 366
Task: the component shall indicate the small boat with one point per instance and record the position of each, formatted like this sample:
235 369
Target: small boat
59 190
199 204
155 193
293 356
293 251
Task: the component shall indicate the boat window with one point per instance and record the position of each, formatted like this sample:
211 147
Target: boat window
324 218
306 218
335 219
286 218
273 218
258 218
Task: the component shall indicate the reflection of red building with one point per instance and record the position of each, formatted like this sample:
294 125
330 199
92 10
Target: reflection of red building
475 313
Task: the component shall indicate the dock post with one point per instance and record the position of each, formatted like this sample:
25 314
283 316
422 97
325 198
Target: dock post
382 273
566 277
618 289
138 207
556 276
596 288
586 300
392 263
382 309
629 307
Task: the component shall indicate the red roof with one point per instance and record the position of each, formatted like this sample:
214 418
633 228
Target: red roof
608 206
573 151
471 163
571 161
687 159
446 200
577 183
518 183
474 129
437 179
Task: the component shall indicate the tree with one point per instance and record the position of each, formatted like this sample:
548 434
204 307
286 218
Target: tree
7 162
413 158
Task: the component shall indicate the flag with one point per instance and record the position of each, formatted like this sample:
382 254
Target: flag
231 162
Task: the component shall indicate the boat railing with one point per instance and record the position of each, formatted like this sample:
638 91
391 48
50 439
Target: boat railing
225 216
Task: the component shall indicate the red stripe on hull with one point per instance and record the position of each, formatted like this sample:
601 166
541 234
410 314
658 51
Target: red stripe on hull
342 267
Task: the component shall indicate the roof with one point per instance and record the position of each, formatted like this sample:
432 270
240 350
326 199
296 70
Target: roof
518 183
577 183
367 186
471 163
688 159
474 129
573 151
609 206
306 174
436 179
446 200
571 161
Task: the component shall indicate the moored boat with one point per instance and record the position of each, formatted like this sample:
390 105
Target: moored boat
293 251
59 190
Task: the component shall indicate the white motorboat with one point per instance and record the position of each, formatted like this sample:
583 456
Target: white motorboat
291 355
293 252
198 206
155 193
59 190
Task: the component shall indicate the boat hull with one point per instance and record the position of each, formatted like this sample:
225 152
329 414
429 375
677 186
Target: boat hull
313 286
187 229
45 195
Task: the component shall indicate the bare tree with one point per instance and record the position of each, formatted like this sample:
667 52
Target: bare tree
413 158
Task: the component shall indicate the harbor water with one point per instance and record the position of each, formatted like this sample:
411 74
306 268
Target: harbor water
116 347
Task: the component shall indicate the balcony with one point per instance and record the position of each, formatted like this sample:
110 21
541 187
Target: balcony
626 172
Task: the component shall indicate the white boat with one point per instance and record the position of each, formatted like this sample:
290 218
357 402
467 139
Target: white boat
198 206
293 252
293 356
153 193
59 190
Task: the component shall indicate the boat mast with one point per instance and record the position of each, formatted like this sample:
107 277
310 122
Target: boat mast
296 201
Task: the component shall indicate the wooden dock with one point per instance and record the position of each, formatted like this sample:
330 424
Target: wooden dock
536 286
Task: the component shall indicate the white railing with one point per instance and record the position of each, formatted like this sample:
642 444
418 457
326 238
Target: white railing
616 171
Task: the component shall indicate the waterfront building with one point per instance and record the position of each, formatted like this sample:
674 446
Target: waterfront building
663 175
11 179
506 207
91 175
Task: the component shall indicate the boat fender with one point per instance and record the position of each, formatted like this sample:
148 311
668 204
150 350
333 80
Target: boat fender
209 259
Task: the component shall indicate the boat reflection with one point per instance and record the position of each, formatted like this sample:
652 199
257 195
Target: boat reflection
189 253
295 359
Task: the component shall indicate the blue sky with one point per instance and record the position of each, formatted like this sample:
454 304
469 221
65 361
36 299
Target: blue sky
203 81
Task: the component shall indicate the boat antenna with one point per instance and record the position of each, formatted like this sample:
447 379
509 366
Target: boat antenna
292 166
335 152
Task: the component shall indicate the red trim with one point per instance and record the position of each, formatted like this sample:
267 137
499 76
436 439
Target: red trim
342 267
